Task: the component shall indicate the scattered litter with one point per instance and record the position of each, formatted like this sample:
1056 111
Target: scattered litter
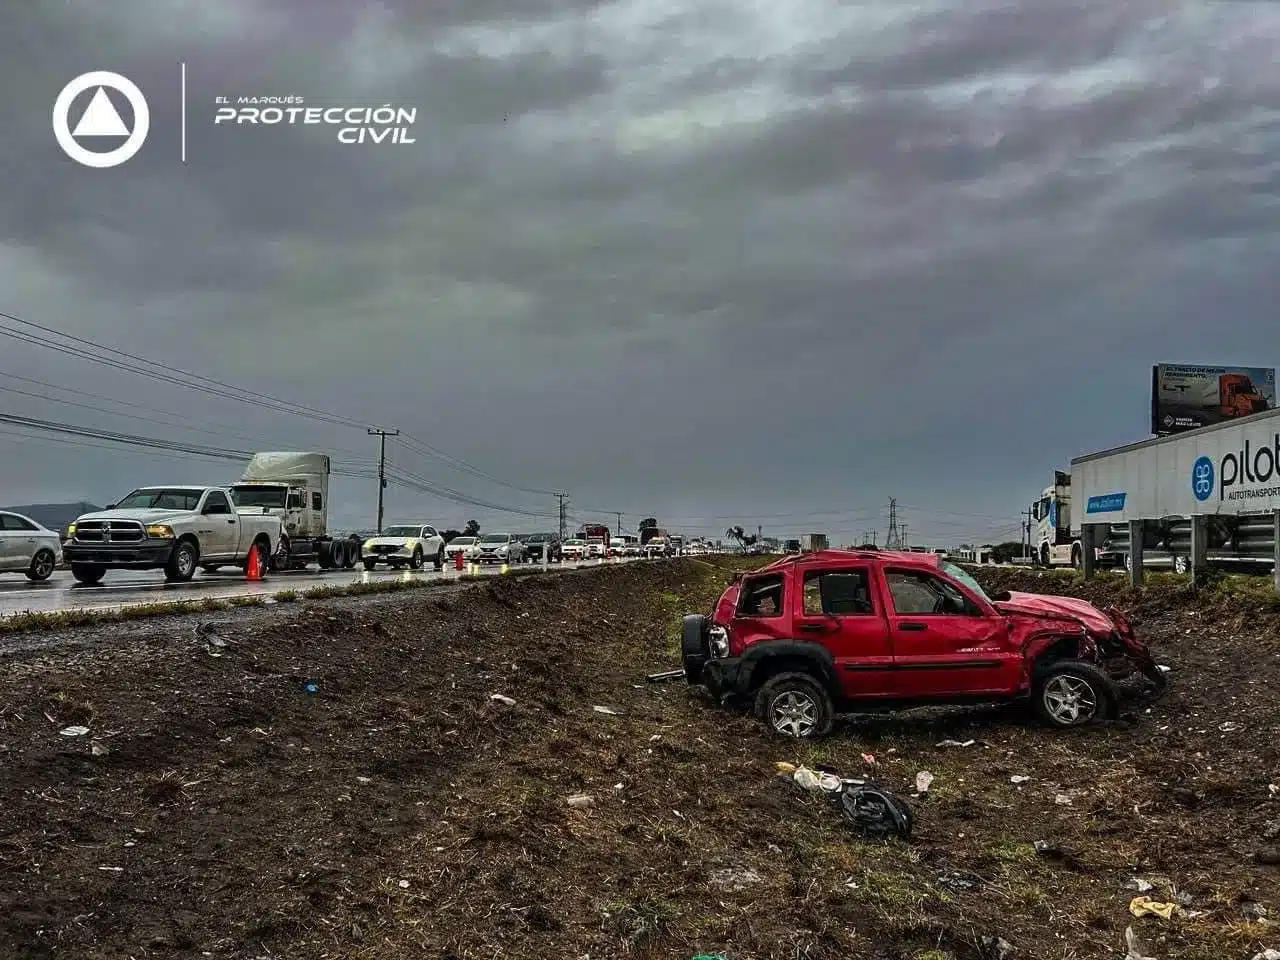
784 767
732 878
1254 911
960 881
404 884
869 759
709 956
311 686
1267 954
664 676
76 731
580 801
1140 885
112 869
955 743
1062 800
98 749
1137 949
923 779
1144 906
655 738
606 710
1229 727
995 948
503 699
363 780
1018 778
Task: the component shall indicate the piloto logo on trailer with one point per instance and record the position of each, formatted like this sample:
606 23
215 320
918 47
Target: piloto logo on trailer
1202 478
1250 465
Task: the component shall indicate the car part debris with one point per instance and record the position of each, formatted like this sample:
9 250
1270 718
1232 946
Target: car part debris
995 948
503 699
608 711
1140 885
1018 778
76 731
1137 949
955 743
1145 906
664 676
875 812
580 801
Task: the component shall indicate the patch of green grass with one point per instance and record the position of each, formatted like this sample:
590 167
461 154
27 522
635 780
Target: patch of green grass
1012 851
934 955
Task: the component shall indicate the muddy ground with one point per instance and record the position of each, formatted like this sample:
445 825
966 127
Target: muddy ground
335 781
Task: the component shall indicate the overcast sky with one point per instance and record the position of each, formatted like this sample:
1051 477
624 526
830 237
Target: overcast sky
709 261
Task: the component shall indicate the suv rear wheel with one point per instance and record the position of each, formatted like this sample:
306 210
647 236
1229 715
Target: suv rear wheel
795 705
1071 693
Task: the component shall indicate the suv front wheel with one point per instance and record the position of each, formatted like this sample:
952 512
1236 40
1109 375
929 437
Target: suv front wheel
795 705
1071 693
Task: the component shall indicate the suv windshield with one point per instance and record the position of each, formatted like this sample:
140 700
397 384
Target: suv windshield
956 573
494 538
272 498
401 531
157 499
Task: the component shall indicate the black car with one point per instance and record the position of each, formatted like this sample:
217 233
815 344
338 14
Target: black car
543 548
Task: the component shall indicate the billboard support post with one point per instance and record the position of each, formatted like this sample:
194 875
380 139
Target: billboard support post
1088 554
1136 532
1275 545
1199 547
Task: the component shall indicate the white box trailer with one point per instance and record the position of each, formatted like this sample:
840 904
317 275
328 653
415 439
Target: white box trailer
1213 491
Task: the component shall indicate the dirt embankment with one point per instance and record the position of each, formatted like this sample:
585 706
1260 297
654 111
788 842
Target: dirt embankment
339 782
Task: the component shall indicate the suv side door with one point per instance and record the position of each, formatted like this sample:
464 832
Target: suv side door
945 642
431 542
837 607
220 520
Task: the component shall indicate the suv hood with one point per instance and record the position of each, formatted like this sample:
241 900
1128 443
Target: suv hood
1038 604
390 541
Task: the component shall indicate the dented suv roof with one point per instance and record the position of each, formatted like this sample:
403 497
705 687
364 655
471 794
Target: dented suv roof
819 557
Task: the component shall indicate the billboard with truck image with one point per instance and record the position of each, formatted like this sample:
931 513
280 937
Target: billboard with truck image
1186 398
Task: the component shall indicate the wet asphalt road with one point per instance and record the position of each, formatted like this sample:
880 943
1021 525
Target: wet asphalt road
125 588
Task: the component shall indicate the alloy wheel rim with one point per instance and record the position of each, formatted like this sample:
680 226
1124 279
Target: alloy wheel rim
794 714
1070 700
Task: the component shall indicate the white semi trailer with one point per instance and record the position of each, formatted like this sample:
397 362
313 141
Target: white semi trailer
295 487
1209 497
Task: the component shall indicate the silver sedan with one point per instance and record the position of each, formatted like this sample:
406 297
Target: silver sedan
26 547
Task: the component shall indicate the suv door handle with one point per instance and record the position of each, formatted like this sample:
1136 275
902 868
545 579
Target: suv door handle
912 625
813 627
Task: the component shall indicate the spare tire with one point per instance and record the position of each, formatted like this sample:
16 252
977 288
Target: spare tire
694 650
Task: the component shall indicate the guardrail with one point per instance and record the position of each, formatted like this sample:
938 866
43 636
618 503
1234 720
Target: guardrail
1246 538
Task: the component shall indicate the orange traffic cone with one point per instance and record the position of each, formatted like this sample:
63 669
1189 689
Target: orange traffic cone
253 568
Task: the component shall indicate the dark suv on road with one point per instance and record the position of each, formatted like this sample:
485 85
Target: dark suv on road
860 631
543 548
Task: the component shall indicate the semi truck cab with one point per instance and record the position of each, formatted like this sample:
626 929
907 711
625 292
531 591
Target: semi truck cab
1057 539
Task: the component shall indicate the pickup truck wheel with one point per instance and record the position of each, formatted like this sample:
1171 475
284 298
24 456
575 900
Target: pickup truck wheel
795 705
439 561
181 566
369 563
1071 693
415 562
42 565
87 573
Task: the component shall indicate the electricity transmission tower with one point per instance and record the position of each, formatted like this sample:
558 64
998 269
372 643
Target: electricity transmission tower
893 539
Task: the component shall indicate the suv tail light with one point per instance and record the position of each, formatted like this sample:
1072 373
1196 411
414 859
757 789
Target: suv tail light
718 641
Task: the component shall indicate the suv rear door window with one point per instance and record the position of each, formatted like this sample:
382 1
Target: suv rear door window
761 596
840 593
916 593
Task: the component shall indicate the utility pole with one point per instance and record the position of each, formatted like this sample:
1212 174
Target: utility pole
906 544
382 466
618 514
893 539
561 497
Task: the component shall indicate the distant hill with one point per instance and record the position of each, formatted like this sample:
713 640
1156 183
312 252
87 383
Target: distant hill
55 516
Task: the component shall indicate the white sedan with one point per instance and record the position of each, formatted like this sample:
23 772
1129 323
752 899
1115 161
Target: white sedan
26 547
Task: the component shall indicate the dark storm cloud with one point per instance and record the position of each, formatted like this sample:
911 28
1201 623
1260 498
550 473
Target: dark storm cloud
699 258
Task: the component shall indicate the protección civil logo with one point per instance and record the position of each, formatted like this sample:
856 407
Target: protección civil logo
101 137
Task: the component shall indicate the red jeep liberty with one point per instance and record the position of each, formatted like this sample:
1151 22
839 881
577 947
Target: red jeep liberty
860 631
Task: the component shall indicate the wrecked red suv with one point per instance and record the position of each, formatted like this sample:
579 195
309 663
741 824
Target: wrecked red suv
854 631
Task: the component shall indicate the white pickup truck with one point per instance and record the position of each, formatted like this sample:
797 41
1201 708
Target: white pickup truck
174 529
